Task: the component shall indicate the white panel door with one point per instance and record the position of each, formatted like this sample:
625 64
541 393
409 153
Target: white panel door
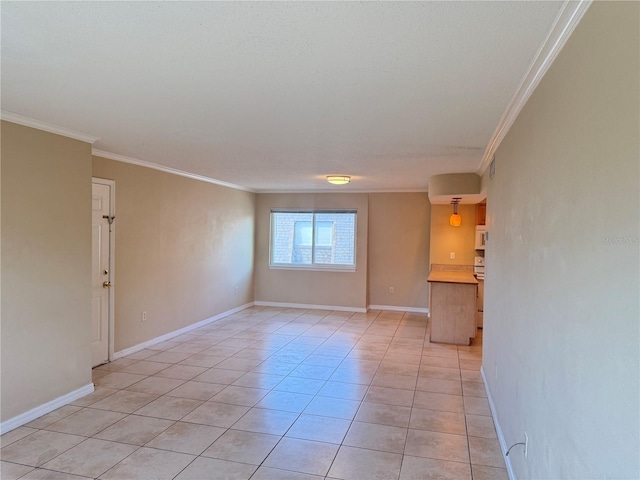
100 205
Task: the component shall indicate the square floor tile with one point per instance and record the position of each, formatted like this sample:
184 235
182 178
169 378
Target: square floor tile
141 355
446 362
390 396
53 417
333 407
216 414
486 451
236 395
438 401
144 367
202 360
348 391
481 472
150 463
222 469
262 420
275 367
287 401
125 401
443 373
394 381
220 376
438 385
98 394
188 438
385 438
303 456
268 473
155 385
259 380
480 426
168 357
309 386
91 458
440 446
39 447
352 375
181 372
15 435
42 474
476 406
118 380
243 447
381 414
13 471
358 463
473 389
170 408
114 366
135 429
438 421
417 468
240 364
313 371
87 422
321 429
196 390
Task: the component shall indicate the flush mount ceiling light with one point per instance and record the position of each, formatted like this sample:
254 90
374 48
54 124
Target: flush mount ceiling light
455 220
338 179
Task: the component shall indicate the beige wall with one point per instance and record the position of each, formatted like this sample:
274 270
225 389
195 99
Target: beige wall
446 239
46 267
561 316
341 289
182 248
399 249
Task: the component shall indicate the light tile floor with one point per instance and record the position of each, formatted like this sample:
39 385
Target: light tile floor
275 394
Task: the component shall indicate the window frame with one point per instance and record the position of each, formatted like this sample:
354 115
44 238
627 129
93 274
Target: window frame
313 266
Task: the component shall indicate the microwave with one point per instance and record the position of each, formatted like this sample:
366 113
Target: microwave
481 237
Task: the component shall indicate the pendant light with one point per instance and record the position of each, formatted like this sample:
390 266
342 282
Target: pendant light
455 219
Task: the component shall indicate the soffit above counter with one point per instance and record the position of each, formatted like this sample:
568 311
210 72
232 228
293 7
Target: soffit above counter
466 186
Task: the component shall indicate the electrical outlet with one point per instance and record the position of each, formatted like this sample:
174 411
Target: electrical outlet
526 445
452 255
144 316
392 290
236 290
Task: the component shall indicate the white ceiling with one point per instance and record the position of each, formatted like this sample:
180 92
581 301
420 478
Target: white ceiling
274 96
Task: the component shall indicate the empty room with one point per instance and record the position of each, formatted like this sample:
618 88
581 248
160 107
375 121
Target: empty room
320 240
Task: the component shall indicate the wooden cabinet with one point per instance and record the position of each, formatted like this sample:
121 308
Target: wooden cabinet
480 314
453 308
481 214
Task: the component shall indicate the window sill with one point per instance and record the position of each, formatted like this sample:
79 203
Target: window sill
315 268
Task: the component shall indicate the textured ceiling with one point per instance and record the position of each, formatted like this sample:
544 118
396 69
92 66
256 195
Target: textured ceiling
274 96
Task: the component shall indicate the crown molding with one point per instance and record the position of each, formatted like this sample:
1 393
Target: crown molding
565 23
338 190
47 127
162 168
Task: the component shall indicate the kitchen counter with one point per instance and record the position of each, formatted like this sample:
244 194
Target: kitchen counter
452 276
453 306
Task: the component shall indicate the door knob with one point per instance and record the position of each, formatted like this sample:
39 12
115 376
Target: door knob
106 284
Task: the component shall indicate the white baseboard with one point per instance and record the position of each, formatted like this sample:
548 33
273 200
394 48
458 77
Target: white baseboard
45 408
311 307
501 440
175 333
399 309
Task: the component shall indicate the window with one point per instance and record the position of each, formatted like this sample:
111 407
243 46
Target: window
313 239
